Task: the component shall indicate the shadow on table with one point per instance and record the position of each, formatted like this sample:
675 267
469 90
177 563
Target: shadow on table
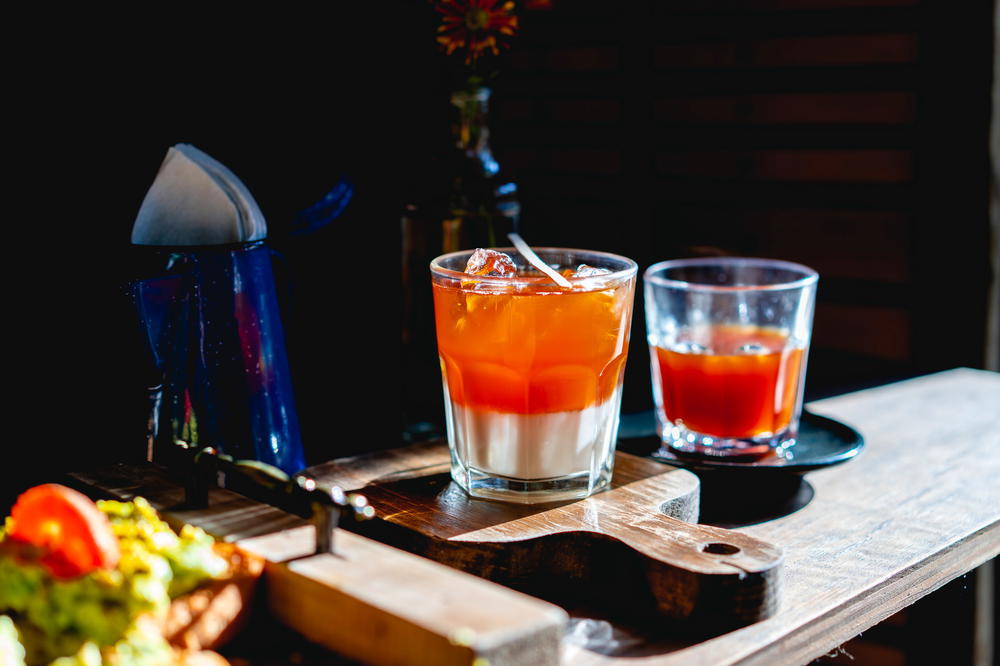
736 502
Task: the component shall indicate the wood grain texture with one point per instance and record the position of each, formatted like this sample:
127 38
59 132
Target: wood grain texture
229 517
919 507
367 601
627 547
385 606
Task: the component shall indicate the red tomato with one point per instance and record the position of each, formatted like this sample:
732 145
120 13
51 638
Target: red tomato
73 534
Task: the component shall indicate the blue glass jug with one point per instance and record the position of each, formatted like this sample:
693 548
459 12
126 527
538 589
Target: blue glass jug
213 325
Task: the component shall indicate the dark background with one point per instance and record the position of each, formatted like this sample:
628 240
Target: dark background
848 135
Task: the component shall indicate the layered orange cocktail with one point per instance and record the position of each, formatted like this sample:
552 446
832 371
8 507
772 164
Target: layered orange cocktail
533 370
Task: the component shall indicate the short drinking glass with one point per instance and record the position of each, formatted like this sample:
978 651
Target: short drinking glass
728 340
532 373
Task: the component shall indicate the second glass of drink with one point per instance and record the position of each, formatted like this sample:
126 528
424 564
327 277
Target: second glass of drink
728 340
532 372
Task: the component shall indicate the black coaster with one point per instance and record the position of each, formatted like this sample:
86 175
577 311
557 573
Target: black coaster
821 442
746 491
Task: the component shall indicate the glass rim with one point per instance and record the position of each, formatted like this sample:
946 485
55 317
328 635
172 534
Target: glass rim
631 269
809 275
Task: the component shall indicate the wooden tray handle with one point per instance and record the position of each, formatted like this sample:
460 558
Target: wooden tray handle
701 573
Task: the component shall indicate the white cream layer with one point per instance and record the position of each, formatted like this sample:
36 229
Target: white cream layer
535 446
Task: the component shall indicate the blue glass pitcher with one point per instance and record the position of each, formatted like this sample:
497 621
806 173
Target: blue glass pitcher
213 325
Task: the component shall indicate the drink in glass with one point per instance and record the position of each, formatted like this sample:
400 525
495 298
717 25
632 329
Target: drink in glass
728 342
532 372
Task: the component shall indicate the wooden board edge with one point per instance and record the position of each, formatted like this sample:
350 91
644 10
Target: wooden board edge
822 634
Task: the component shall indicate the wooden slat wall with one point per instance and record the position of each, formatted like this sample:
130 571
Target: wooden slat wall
847 135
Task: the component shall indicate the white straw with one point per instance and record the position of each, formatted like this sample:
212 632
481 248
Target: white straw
536 261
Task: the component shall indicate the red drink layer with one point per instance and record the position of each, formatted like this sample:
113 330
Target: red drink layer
729 393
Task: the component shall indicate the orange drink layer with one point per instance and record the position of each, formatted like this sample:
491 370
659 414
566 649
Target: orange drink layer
731 392
537 351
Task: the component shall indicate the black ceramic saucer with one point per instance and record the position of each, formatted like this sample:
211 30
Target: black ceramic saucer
822 442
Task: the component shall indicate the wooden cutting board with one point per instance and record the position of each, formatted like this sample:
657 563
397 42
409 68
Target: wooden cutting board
365 600
633 549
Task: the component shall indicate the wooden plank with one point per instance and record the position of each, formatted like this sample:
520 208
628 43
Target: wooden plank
367 601
585 111
229 517
628 547
817 50
585 160
798 5
919 507
385 606
583 59
876 331
825 166
839 244
808 108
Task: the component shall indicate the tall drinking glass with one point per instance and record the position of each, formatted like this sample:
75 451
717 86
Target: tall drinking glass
728 340
532 373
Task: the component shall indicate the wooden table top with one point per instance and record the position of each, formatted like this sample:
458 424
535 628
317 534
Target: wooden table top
918 507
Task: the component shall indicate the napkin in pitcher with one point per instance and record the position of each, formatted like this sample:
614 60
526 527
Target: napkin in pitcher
196 200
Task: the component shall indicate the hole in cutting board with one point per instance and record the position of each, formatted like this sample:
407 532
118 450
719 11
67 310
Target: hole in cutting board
720 548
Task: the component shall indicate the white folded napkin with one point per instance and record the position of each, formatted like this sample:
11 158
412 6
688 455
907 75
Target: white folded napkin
195 200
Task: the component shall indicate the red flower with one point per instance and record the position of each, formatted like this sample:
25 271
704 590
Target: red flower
475 26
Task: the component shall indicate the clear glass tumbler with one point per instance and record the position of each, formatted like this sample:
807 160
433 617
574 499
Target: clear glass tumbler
728 341
532 373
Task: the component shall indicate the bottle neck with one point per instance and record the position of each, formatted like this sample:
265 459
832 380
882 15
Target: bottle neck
471 128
